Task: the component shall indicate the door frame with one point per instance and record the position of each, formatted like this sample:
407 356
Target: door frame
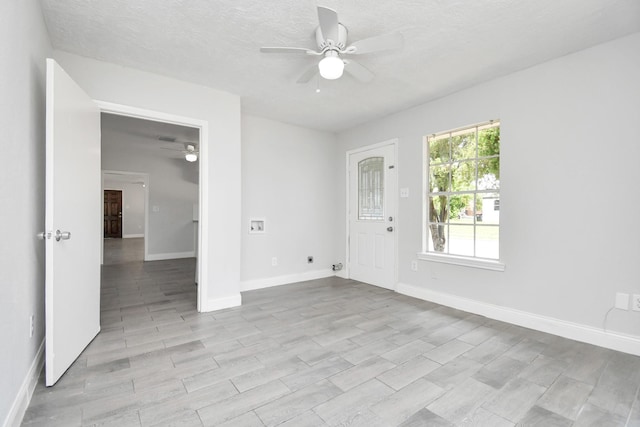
144 177
393 142
203 179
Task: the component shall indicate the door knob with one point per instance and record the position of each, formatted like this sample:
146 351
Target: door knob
44 235
389 228
62 235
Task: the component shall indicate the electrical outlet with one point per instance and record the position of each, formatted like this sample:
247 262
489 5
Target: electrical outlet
635 303
274 262
414 265
310 259
622 301
31 325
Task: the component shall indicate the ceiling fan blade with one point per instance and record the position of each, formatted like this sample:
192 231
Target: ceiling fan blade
328 19
309 74
296 50
377 43
358 71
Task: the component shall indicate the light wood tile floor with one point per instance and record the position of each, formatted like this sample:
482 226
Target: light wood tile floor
327 352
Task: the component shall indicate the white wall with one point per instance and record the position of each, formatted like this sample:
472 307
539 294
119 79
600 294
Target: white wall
132 207
570 143
24 45
112 83
289 178
173 190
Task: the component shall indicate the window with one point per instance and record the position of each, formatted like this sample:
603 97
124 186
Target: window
462 212
371 189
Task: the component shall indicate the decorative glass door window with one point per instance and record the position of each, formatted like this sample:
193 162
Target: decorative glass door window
371 189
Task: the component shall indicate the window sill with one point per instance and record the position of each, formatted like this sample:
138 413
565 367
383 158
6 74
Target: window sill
484 264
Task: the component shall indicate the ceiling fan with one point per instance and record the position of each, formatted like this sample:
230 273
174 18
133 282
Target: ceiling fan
190 150
331 38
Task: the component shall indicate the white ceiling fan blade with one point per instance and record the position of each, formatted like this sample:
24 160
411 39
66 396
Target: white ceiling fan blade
296 50
309 74
328 19
358 71
376 44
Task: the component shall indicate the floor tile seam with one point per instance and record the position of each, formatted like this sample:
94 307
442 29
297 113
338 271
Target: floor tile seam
595 386
101 416
412 382
487 401
593 403
307 409
426 354
239 395
497 415
493 359
579 411
473 343
633 405
105 357
527 364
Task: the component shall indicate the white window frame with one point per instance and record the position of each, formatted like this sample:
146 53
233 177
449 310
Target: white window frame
425 254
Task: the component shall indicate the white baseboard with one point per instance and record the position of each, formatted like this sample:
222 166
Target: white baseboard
21 402
250 285
132 236
575 331
341 273
171 255
214 304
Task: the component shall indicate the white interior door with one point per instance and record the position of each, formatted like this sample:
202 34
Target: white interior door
72 222
372 211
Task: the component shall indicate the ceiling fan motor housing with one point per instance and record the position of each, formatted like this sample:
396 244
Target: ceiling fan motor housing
339 44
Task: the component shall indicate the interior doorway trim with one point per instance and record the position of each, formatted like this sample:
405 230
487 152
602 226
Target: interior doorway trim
203 222
139 176
393 142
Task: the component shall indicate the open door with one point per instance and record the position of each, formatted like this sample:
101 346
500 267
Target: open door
73 222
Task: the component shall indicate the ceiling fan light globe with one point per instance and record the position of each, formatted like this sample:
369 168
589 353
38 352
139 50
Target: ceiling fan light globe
331 67
191 157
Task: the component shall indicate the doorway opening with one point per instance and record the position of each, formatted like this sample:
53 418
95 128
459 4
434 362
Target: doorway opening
138 151
133 219
149 149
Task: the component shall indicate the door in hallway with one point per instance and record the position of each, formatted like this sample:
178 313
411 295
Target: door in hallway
72 222
113 213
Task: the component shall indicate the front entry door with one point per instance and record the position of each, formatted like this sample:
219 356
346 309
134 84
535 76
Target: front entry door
72 222
112 213
372 211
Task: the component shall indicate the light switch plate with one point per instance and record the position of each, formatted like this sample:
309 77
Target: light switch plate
404 192
622 301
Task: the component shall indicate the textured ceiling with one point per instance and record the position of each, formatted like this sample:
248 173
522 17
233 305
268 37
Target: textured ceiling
449 45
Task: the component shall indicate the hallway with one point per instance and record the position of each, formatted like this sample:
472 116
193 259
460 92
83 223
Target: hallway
123 251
